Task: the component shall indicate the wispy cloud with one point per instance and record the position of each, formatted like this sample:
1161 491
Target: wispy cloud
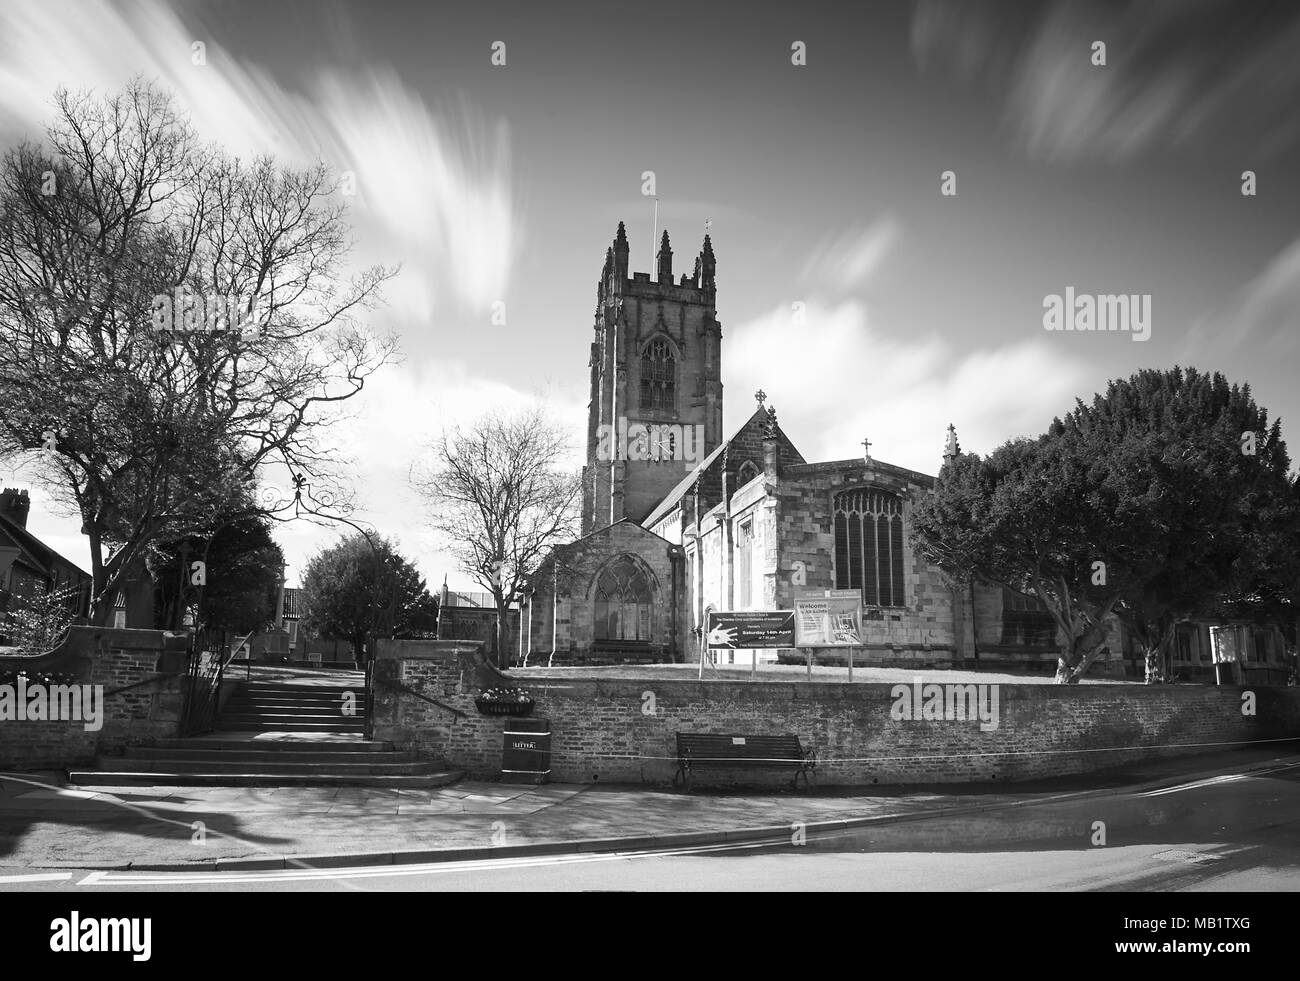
390 432
433 183
1193 74
836 380
1264 314
848 259
433 191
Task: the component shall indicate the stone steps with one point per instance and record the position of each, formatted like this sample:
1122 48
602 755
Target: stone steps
165 778
303 765
275 735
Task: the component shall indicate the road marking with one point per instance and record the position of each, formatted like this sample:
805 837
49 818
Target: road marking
38 877
385 871
506 864
1214 781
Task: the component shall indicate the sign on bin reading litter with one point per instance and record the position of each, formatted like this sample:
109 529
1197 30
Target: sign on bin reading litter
754 630
833 619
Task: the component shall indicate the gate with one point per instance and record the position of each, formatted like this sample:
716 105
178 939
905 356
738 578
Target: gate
209 656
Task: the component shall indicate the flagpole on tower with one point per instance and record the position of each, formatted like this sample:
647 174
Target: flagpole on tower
654 236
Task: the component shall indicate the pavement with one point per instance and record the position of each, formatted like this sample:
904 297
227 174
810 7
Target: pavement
46 824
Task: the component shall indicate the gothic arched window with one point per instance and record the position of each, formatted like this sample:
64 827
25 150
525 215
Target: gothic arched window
622 602
747 472
658 376
869 545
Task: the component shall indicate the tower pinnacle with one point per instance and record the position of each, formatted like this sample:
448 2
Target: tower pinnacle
665 259
708 265
620 251
951 448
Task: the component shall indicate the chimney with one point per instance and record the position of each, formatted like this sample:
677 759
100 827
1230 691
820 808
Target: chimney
14 505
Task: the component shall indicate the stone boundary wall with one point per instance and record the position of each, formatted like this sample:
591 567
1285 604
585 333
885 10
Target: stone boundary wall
604 731
116 659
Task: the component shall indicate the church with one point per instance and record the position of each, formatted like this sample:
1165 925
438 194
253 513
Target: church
738 521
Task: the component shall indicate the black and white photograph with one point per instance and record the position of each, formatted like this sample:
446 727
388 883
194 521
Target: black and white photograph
707 447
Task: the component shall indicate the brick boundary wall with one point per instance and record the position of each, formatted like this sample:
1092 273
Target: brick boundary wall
603 733
115 659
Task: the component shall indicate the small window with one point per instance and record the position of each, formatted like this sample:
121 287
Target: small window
744 565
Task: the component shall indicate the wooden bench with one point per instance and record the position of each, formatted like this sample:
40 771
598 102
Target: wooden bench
696 750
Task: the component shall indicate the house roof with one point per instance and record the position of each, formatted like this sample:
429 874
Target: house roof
33 551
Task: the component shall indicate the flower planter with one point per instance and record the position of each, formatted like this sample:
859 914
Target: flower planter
503 708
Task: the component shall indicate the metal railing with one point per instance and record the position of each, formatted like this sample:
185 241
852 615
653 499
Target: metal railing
207 668
370 697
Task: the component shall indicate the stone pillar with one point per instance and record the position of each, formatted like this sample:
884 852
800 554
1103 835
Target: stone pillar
727 544
279 599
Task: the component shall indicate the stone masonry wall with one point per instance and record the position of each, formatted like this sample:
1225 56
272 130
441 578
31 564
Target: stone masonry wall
148 664
580 564
603 730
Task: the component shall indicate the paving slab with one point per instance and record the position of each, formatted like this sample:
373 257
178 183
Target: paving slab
43 824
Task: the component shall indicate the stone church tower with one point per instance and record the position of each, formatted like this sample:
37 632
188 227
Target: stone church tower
656 391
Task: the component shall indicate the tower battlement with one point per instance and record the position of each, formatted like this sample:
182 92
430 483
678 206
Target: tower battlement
655 360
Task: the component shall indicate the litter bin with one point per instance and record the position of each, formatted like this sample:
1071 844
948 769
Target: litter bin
526 757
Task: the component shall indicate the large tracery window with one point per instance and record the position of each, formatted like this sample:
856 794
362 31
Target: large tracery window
658 376
869 545
623 598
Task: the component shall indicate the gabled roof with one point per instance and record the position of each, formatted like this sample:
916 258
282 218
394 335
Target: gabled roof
567 546
34 551
686 483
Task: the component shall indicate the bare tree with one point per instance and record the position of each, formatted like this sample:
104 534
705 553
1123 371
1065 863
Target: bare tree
173 322
497 492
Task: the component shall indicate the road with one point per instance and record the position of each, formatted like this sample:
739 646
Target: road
1230 832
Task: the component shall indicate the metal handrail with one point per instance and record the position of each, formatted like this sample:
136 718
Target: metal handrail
204 690
370 698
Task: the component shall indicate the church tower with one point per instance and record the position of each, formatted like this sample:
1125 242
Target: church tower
656 383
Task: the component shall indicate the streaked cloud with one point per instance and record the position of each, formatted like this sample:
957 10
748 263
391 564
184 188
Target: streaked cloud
1197 75
388 432
848 259
434 183
838 379
1264 316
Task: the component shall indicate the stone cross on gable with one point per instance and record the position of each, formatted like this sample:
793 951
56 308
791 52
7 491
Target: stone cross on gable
761 396
708 223
866 450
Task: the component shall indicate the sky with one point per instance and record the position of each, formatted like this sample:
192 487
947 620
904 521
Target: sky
865 301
